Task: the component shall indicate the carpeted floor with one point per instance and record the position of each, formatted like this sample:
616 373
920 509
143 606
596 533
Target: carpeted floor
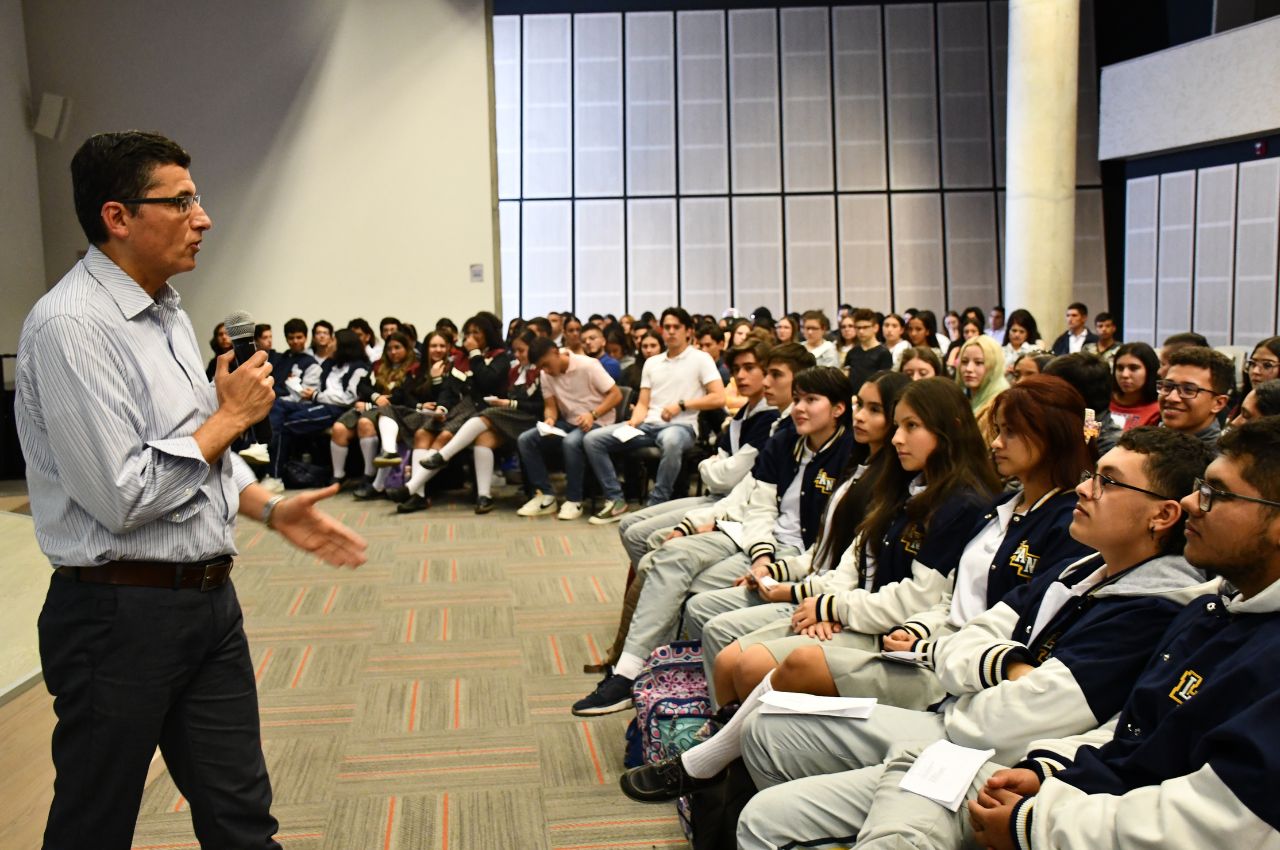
422 701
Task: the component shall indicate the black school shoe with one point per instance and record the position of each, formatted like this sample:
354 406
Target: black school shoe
612 694
663 781
484 504
398 494
365 492
412 504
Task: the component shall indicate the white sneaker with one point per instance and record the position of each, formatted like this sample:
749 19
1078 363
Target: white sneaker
257 454
570 510
275 485
539 505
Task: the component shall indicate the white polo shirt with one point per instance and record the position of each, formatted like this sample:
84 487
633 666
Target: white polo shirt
672 379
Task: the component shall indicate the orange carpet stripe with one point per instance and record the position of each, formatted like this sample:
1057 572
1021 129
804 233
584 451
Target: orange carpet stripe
593 649
444 625
262 665
568 591
426 532
306 653
255 540
591 748
555 649
564 544
451 532
177 807
328 603
422 771
424 574
363 518
408 629
481 751
453 569
413 706
391 820
444 823
297 601
599 823
656 842
539 548
457 703
595 582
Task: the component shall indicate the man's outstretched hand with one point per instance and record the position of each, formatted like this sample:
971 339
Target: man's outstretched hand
304 525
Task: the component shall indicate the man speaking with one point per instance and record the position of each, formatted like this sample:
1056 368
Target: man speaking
134 497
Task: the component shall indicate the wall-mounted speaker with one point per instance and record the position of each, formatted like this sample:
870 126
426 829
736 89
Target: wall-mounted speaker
52 116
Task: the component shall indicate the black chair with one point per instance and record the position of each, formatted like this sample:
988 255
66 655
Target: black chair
642 464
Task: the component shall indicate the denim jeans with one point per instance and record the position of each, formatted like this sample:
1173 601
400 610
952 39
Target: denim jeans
531 445
672 440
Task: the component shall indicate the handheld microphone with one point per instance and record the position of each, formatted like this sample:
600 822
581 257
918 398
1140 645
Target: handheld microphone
240 329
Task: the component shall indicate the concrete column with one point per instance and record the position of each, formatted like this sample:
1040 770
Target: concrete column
1040 159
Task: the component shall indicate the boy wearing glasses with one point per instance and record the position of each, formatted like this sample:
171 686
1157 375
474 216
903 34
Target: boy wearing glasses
1194 391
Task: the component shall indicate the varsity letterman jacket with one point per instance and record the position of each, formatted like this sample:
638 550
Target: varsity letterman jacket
1086 636
738 447
1194 753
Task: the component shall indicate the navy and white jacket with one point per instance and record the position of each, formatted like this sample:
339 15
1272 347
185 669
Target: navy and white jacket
1087 638
914 572
1039 539
292 372
1194 752
734 505
774 471
339 383
487 374
738 447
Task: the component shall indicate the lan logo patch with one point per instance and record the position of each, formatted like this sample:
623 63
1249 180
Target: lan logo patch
1023 562
825 483
1187 687
911 539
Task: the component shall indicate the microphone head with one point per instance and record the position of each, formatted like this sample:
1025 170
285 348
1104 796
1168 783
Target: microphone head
239 325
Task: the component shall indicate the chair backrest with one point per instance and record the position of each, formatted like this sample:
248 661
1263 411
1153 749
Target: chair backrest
621 406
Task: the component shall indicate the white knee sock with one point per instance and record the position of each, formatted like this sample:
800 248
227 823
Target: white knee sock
714 754
389 431
369 448
628 666
380 480
339 455
419 477
483 459
466 435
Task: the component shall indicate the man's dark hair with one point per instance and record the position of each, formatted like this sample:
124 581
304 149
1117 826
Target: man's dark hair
816 316
295 326
362 325
1090 375
388 320
1174 461
259 330
999 308
793 354
444 323
541 324
1256 447
1267 395
489 326
1222 372
1079 307
712 330
830 382
975 314
863 314
540 348
349 348
1104 316
758 348
1186 338
1150 365
680 314
323 324
115 167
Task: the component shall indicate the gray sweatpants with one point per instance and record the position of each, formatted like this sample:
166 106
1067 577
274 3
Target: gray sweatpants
635 527
861 808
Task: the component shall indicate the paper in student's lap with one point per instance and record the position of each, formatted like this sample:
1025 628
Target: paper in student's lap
908 656
550 430
625 433
944 772
732 529
786 702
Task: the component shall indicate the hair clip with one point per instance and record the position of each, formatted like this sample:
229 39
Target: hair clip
1092 427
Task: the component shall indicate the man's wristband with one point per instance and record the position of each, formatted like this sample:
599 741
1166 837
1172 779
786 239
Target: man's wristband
270 508
682 404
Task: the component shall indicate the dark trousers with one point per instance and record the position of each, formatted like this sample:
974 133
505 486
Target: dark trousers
131 668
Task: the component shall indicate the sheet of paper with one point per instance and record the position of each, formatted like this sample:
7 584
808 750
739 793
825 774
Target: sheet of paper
550 430
625 433
733 529
767 582
786 702
903 656
944 772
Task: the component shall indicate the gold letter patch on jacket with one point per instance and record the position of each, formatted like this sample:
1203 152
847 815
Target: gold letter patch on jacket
825 483
1187 687
1023 561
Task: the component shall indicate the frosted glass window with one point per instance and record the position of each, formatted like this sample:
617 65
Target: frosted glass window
1215 252
966 95
704 121
999 17
1141 234
548 119
506 102
651 255
600 256
859 82
917 251
651 119
971 250
1091 257
913 115
597 105
757 254
811 254
509 238
547 251
806 100
864 251
753 100
704 255
1174 254
1256 233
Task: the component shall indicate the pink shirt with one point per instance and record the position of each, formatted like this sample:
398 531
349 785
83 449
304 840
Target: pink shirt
580 389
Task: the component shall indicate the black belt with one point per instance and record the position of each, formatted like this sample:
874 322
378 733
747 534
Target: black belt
202 575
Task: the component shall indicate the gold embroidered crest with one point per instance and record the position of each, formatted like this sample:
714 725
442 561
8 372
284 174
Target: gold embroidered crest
1022 561
825 483
911 539
1187 687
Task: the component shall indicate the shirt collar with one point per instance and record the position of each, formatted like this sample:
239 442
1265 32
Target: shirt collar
128 295
803 442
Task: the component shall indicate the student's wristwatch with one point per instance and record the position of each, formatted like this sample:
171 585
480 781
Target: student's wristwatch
682 405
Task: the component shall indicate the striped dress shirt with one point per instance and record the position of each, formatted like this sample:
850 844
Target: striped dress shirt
110 390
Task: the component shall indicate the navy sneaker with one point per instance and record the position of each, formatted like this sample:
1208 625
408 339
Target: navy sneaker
612 694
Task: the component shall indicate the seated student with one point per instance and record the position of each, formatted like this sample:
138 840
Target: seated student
1180 766
1022 337
323 341
577 396
382 387
737 448
1055 658
846 337
1135 370
263 341
711 341
1263 365
501 422
920 362
220 344
650 345
372 344
893 330
618 346
723 616
1028 365
571 337
593 346
1262 400
488 368
980 373
867 356
295 367
1107 345
791 481
673 388
320 406
814 324
1092 379
388 326
1194 391
1077 334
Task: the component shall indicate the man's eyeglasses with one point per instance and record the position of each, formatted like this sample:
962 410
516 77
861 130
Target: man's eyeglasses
1263 365
1187 390
1208 493
1099 482
182 202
